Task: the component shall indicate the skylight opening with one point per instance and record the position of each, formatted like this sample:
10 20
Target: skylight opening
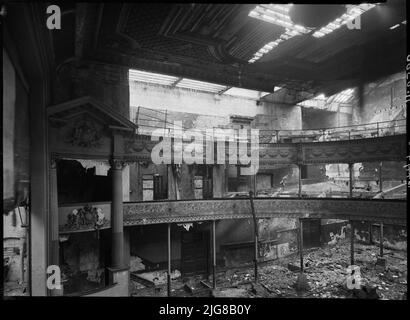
353 11
245 93
344 96
279 14
150 77
200 85
323 102
276 14
171 81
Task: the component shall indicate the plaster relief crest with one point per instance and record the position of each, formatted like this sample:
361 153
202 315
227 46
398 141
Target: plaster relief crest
85 133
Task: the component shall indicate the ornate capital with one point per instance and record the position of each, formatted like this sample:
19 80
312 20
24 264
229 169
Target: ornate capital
53 162
117 164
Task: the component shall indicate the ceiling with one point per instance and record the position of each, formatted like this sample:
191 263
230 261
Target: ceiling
213 42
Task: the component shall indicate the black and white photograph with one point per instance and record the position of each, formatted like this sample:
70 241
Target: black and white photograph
223 153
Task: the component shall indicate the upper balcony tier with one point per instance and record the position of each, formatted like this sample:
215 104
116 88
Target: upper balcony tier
185 211
388 211
86 129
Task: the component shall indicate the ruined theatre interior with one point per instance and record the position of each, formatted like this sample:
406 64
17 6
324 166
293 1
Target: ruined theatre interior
217 150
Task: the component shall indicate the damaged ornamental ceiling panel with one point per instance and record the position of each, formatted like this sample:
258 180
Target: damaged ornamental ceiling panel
249 46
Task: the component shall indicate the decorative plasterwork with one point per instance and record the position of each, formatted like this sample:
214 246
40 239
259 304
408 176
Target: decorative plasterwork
87 218
199 210
391 148
63 112
350 151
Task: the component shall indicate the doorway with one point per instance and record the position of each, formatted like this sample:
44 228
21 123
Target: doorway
194 252
311 233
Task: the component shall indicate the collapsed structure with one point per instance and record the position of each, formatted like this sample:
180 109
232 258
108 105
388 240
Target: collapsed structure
328 168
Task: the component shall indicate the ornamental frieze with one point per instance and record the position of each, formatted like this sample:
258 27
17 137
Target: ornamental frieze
198 210
362 150
86 218
346 151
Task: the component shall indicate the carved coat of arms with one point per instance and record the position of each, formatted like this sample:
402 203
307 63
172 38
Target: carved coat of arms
85 134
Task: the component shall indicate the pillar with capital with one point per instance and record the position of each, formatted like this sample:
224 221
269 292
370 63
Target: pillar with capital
117 228
54 252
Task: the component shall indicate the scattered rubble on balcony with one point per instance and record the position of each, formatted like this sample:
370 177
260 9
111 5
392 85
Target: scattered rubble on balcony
325 275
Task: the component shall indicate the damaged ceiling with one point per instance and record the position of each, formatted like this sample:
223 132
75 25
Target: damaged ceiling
214 42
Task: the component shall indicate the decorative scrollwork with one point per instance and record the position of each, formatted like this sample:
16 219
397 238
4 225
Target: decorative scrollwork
117 164
85 134
87 217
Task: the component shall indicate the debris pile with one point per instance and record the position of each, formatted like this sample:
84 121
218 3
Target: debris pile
325 275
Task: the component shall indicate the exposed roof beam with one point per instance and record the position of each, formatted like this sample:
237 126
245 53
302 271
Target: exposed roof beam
224 90
176 82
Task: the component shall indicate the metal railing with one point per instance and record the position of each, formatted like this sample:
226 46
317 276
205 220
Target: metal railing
360 131
152 119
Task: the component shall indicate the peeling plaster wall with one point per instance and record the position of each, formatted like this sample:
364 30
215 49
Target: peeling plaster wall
136 173
235 240
191 101
14 244
318 119
332 231
276 116
379 96
394 237
207 110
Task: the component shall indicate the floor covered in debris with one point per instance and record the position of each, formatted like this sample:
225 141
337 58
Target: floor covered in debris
325 276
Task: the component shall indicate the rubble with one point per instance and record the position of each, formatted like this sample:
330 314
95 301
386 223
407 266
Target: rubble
325 276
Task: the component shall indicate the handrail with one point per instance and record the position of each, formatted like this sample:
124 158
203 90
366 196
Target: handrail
353 125
356 131
184 211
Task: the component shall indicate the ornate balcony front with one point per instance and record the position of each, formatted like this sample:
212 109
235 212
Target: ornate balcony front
388 211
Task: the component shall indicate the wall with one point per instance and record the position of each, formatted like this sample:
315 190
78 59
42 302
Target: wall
137 172
277 116
384 100
106 83
394 236
317 119
9 99
16 168
190 101
15 245
203 103
16 136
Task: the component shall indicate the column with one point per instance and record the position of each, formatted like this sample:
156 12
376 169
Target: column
39 197
255 234
54 232
54 236
381 236
300 237
173 183
169 260
380 177
214 253
218 180
350 180
117 229
300 180
351 242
